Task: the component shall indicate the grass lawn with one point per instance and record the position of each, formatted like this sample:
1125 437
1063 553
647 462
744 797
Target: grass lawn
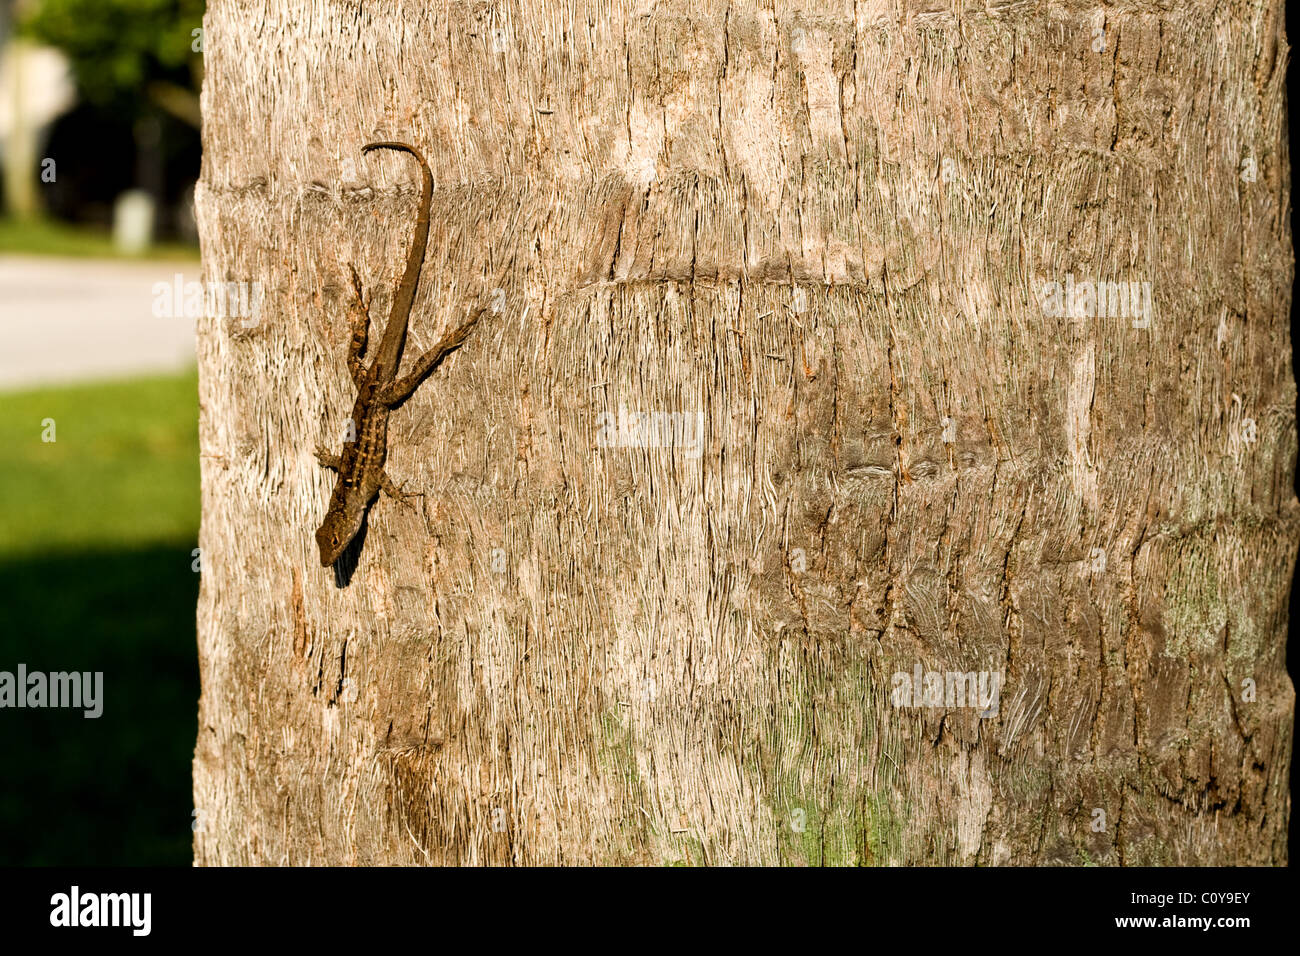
52 238
96 533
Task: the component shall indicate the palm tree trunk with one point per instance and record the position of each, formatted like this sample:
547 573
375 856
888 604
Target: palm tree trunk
837 353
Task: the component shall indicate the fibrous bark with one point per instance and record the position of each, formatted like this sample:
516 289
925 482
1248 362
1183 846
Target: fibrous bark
830 231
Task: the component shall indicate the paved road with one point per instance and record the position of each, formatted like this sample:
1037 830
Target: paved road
67 320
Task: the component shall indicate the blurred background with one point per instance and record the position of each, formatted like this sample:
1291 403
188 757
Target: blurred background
99 504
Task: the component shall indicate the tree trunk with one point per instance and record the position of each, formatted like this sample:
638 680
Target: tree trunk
801 391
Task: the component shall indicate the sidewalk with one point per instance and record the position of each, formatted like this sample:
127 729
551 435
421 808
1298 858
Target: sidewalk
65 320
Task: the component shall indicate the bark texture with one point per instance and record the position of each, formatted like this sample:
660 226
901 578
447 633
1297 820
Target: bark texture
827 229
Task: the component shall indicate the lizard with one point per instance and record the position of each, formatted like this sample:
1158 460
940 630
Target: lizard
360 467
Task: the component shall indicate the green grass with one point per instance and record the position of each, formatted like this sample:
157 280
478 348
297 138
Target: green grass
123 469
96 530
49 237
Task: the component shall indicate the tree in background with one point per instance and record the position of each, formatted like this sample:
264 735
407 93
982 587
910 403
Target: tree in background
138 67
131 56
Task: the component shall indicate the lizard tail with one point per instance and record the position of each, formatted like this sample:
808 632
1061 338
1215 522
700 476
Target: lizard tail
405 296
427 186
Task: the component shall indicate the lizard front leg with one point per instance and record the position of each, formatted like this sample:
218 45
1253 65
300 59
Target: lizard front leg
400 390
360 331
390 488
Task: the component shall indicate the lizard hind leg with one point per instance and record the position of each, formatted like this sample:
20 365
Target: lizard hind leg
400 390
327 459
360 330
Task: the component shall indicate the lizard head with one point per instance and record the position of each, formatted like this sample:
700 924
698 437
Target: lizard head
336 533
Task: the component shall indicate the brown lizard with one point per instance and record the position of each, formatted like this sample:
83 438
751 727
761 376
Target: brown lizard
361 466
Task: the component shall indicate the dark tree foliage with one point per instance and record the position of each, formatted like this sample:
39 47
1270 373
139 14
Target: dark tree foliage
125 53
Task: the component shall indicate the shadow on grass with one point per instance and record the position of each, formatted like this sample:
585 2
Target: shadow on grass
113 790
